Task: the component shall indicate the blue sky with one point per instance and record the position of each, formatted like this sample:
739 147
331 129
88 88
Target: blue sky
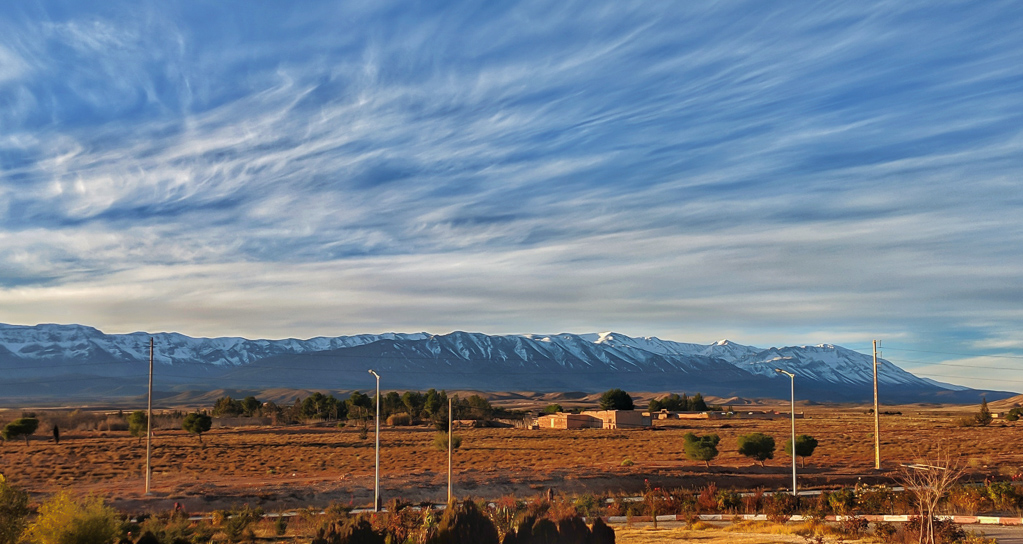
773 173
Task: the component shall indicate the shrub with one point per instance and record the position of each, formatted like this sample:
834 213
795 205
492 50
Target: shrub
238 521
465 524
757 446
701 448
843 501
885 531
349 531
627 462
1004 496
400 419
553 409
64 520
1013 414
440 441
13 512
780 506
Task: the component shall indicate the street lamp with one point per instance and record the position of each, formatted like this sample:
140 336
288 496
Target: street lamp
376 481
792 378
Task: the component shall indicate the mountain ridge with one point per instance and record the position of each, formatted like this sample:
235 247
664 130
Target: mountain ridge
38 359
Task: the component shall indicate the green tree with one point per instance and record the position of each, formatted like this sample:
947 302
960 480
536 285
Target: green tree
757 446
23 426
553 409
197 424
413 401
983 416
64 520
227 407
701 448
1013 414
138 424
251 406
616 399
13 512
805 445
698 404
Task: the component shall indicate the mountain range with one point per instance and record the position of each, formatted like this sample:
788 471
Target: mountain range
76 361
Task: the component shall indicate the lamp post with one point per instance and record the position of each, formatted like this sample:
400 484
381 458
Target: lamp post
792 378
376 480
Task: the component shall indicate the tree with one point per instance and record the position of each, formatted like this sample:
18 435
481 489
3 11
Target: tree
701 448
757 446
197 424
13 512
553 409
62 519
138 424
805 444
616 399
226 406
23 426
251 406
1014 414
697 404
984 414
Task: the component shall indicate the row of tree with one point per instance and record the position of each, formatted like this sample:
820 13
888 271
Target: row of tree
757 446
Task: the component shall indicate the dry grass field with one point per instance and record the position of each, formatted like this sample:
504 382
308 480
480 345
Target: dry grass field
299 466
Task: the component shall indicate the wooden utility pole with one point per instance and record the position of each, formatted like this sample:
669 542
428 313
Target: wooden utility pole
877 417
149 418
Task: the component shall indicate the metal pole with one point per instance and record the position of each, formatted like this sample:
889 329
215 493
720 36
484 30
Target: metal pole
792 378
449 450
792 411
149 419
877 417
376 486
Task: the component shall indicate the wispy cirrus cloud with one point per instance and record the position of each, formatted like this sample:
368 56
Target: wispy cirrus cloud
776 173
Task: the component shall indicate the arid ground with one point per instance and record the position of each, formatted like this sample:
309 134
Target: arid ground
299 466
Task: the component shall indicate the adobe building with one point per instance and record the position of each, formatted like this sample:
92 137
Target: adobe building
621 419
562 420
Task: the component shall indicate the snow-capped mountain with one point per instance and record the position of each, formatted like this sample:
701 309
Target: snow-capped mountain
57 359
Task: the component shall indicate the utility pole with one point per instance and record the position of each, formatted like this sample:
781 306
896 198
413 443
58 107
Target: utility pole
792 379
149 419
449 451
877 417
376 479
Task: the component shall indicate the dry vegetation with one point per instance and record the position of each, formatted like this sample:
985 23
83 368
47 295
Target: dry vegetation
297 466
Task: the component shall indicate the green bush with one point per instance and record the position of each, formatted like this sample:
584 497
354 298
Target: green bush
13 512
63 520
440 441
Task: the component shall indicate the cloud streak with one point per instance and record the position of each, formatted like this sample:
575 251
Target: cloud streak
777 174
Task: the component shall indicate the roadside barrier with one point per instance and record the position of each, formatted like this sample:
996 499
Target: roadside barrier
962 520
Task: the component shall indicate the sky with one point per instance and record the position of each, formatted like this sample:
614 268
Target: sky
783 173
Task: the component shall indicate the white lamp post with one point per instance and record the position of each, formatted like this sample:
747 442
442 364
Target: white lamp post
792 378
376 480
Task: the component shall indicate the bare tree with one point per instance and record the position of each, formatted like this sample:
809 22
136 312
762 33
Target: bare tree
929 480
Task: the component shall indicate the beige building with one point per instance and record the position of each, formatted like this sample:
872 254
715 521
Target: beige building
621 419
562 420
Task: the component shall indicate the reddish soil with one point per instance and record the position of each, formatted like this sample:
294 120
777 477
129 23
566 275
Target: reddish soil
292 467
